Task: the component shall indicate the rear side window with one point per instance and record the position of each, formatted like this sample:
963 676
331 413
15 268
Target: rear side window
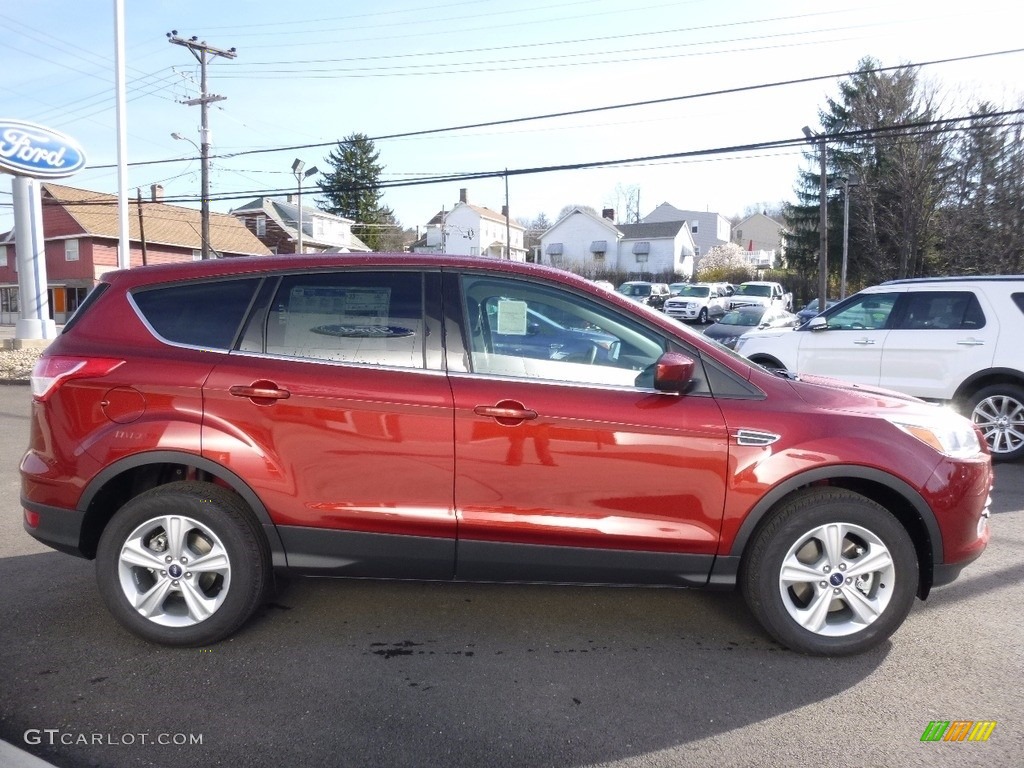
206 315
371 318
94 294
942 310
1018 299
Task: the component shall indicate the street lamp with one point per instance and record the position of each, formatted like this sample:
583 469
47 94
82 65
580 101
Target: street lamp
850 181
297 169
204 206
823 223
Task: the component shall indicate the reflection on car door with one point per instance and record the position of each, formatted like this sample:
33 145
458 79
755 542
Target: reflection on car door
937 336
338 387
851 347
569 470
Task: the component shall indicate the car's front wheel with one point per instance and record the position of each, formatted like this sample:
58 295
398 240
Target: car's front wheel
183 564
998 411
831 573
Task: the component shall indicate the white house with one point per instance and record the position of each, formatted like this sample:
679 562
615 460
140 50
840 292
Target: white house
707 228
472 230
587 243
763 239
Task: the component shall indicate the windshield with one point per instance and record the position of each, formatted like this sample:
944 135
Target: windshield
755 290
698 291
742 317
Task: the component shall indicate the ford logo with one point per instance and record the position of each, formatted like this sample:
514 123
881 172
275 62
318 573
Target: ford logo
27 149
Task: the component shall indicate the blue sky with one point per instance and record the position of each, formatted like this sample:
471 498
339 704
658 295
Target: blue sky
312 72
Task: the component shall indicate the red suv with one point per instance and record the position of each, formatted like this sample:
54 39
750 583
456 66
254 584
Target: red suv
199 427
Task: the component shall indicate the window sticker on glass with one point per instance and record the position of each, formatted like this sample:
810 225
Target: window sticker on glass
512 317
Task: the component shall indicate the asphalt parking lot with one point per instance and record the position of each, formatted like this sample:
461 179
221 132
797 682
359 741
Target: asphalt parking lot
397 674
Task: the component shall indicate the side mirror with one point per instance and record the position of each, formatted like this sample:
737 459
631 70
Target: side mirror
673 372
818 323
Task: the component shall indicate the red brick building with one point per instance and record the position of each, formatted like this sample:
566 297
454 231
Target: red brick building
80 230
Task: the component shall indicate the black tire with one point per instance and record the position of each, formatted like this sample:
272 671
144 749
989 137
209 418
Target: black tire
998 411
209 525
702 318
796 534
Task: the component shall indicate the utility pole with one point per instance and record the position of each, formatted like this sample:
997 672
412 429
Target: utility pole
203 53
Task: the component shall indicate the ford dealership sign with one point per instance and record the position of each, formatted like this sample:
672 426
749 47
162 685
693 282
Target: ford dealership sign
27 149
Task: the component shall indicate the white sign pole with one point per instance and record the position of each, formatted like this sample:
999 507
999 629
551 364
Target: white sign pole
35 322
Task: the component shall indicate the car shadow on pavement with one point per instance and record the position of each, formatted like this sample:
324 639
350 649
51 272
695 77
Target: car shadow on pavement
396 674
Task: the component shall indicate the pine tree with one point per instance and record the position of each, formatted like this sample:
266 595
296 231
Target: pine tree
352 189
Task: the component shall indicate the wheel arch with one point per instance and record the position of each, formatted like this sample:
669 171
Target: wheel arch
987 378
896 495
768 361
127 478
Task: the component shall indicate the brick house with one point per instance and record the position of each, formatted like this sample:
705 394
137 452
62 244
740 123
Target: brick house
274 220
80 230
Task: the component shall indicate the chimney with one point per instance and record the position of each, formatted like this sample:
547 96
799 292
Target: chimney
608 213
462 195
156 193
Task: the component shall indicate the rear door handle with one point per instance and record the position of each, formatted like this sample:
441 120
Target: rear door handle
971 343
260 390
864 342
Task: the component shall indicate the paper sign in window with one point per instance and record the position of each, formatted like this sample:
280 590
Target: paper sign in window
512 317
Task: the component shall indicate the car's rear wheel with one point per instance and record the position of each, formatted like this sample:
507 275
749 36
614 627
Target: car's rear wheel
998 411
183 564
831 573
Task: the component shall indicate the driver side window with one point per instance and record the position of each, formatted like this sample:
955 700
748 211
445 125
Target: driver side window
867 313
527 330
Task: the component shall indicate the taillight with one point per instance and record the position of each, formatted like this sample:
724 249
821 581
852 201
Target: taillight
50 372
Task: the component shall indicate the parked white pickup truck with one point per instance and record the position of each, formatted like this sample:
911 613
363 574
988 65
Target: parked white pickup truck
761 293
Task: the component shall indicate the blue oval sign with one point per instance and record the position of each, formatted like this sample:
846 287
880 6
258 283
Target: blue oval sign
27 149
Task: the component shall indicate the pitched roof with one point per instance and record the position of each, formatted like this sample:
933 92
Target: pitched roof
285 214
164 224
653 230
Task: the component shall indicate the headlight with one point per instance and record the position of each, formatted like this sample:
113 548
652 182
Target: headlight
948 433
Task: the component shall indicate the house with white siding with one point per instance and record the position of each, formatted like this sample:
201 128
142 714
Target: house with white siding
588 244
707 228
473 230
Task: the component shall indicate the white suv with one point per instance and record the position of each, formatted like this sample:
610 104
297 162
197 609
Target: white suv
957 340
695 301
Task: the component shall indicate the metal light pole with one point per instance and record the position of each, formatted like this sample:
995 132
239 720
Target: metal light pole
849 181
297 167
204 215
823 222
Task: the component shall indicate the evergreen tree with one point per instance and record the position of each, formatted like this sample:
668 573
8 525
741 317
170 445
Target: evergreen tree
903 172
352 189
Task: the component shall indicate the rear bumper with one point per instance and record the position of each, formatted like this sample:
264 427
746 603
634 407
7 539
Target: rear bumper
55 527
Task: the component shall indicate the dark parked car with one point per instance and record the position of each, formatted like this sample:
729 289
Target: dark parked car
736 322
812 309
651 294
200 428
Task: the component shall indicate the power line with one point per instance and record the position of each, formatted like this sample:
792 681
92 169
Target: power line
593 110
905 130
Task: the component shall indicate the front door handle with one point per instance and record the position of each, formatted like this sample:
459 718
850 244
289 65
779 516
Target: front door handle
864 342
507 412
